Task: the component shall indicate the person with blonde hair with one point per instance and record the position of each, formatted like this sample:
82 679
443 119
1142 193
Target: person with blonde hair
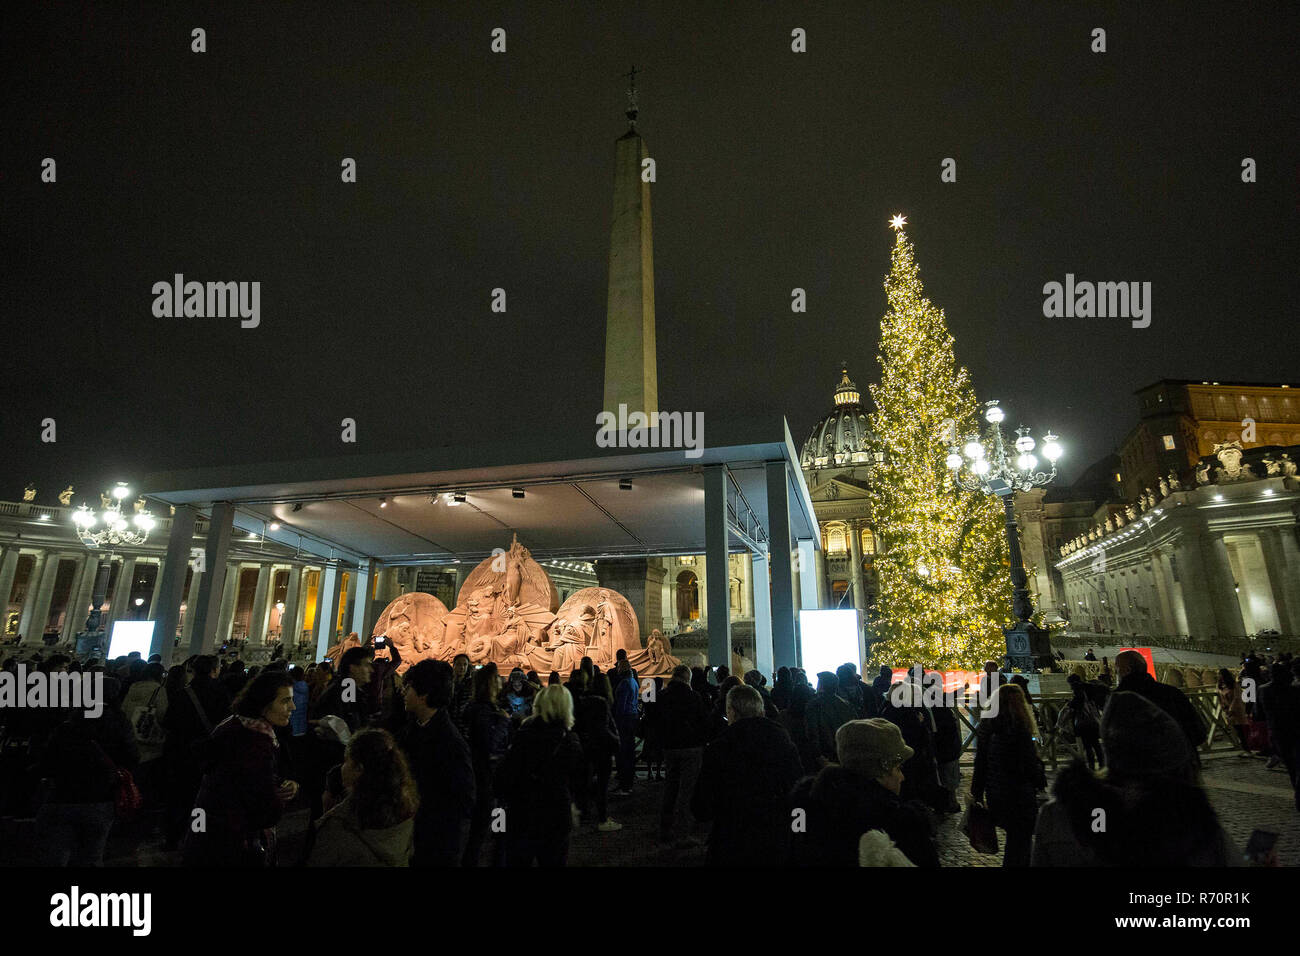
537 781
1008 770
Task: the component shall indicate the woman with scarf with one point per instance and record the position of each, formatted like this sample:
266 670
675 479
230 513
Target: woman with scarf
242 794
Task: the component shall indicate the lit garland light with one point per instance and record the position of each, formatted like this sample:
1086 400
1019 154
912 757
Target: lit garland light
944 591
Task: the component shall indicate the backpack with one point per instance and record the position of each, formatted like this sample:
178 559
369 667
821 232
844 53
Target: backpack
148 730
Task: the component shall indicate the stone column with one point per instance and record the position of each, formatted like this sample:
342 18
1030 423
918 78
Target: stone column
823 581
809 592
363 606
1193 586
785 651
119 608
191 605
1227 606
1283 577
350 603
257 622
165 610
763 660
855 570
327 608
1168 623
8 568
79 599
207 609
229 600
36 609
39 560
716 536
289 620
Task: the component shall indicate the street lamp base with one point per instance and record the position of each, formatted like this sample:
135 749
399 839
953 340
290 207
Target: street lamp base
1029 647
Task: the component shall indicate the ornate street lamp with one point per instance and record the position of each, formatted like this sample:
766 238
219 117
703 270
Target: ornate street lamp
117 530
1002 470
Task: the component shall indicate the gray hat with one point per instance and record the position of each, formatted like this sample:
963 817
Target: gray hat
873 747
1140 739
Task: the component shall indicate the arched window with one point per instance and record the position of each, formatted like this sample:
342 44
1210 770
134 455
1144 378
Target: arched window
836 539
688 596
868 541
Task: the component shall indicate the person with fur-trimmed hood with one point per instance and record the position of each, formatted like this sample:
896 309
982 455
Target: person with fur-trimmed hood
1145 809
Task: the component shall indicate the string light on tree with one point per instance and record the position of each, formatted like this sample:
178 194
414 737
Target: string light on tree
944 592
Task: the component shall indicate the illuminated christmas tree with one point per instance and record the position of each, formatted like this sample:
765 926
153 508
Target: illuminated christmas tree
944 584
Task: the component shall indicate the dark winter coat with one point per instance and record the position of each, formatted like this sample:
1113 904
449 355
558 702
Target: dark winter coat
947 735
680 717
444 773
1279 704
538 778
920 771
1172 701
743 787
594 724
826 713
1152 822
1007 771
237 796
841 805
83 755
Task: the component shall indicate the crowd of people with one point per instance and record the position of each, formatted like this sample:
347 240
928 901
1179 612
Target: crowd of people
450 765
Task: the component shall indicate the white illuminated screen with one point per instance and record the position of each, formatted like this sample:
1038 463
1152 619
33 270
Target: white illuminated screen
131 636
827 639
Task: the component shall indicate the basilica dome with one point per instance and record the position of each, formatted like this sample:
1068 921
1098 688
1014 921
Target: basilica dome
842 437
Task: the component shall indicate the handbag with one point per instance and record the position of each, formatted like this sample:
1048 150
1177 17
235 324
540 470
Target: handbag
147 729
127 800
977 825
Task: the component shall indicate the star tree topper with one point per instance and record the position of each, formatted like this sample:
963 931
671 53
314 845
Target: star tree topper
898 222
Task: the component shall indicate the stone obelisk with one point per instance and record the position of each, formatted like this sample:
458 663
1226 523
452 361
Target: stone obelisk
631 372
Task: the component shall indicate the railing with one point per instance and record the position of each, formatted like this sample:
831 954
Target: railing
1231 646
1055 749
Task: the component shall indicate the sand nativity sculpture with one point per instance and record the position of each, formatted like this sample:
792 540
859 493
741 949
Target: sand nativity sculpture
508 612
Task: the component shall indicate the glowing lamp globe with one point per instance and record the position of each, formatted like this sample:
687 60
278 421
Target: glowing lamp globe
1024 443
994 415
954 461
1026 462
1051 450
974 450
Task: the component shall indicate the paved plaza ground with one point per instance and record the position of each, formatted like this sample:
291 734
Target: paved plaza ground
1245 794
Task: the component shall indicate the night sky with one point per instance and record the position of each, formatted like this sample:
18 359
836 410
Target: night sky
479 170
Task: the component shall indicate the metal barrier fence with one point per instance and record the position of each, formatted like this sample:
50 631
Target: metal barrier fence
1055 748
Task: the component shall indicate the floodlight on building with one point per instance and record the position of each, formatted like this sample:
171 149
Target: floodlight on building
516 492
458 498
139 601
1218 497
1268 491
625 484
383 502
297 506
274 526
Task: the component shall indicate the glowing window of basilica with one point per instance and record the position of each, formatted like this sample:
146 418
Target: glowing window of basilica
868 541
836 539
838 588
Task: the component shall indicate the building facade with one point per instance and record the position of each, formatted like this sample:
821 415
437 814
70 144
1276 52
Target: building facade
1217 559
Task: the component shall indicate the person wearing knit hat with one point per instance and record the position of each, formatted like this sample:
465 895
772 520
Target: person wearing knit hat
859 794
873 748
1145 809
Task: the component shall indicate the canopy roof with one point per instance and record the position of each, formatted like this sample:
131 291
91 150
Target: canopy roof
572 507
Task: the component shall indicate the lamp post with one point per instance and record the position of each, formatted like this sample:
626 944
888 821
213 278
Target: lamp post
1002 470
